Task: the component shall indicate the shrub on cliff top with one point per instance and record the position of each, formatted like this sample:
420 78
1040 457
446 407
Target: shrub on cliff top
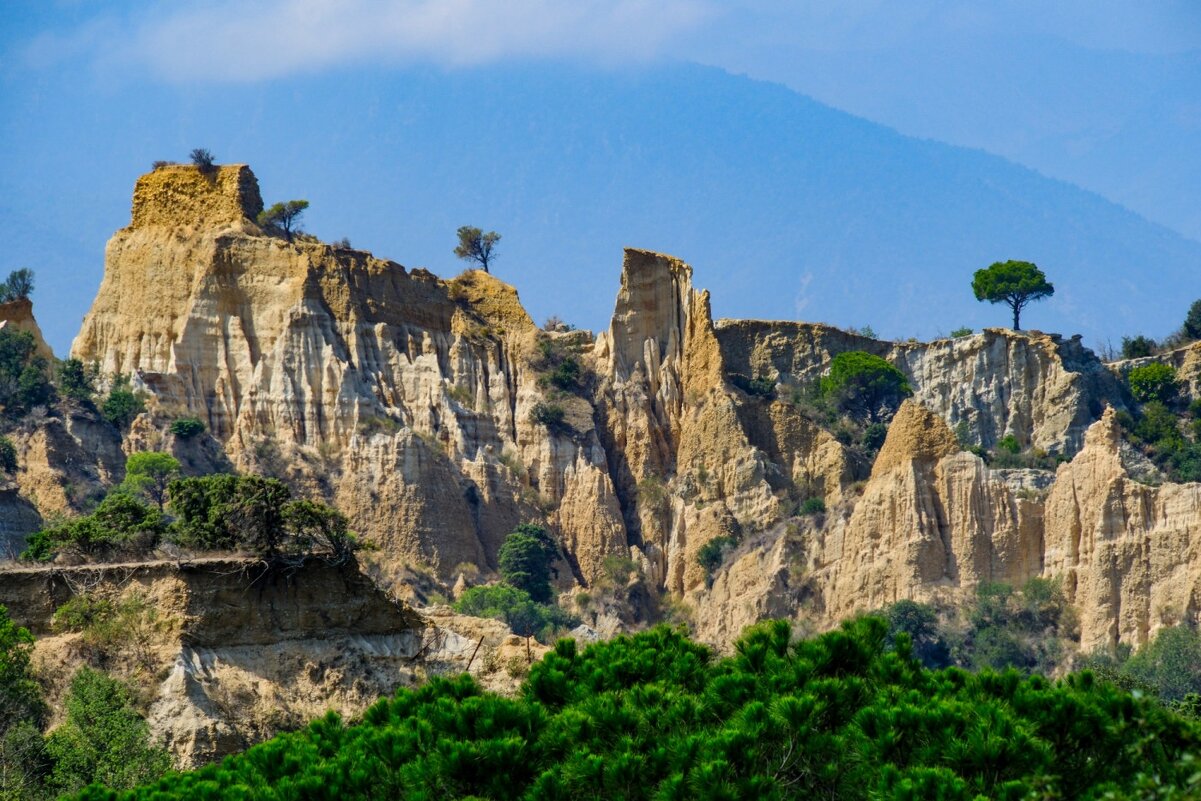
202 158
865 385
1153 382
187 427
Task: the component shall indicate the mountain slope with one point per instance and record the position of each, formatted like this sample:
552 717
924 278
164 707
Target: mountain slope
795 209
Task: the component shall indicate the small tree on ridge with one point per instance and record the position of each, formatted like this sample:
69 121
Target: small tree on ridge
1015 283
475 245
284 217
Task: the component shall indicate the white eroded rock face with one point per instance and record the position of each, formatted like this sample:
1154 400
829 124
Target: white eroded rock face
1041 389
234 653
404 398
409 400
1129 554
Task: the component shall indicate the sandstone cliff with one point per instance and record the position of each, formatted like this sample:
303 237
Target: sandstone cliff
409 400
403 398
228 654
1042 389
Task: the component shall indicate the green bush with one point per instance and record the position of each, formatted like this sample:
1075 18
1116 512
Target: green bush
762 387
549 415
149 473
18 285
121 523
865 385
122 404
1158 426
1170 664
187 427
959 333
20 693
713 553
76 381
813 506
1138 347
525 561
874 436
8 456
1153 382
24 381
565 375
919 623
103 740
655 716
1192 321
228 512
1009 444
525 616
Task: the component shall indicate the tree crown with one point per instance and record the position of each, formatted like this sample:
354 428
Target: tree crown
1015 283
475 245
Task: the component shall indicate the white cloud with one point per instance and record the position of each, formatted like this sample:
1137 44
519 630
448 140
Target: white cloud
247 41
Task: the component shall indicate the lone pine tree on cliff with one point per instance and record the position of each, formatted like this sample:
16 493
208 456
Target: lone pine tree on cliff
284 217
475 245
1015 283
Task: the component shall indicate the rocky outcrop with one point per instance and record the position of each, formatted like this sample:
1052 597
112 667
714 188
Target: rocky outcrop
404 398
18 315
1186 361
683 462
232 653
1041 389
1129 554
933 522
422 408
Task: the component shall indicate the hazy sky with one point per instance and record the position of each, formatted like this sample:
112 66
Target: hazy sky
1104 94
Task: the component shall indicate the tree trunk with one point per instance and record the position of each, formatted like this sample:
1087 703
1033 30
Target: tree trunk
1017 311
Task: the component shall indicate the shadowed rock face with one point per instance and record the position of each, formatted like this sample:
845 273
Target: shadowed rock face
409 402
231 653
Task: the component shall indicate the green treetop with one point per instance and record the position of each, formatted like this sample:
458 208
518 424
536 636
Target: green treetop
1015 283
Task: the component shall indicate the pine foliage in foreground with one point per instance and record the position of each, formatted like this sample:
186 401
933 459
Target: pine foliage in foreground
655 716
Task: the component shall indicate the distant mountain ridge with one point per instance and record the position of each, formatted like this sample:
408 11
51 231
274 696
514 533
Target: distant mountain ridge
795 210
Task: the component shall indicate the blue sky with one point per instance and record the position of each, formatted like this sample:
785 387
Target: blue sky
1104 95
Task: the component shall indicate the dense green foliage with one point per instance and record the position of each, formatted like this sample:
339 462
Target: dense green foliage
20 695
1015 283
221 512
103 739
655 716
77 381
525 616
122 404
1192 321
525 560
215 512
121 524
187 427
523 598
476 246
149 473
24 375
1138 347
865 385
1153 382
